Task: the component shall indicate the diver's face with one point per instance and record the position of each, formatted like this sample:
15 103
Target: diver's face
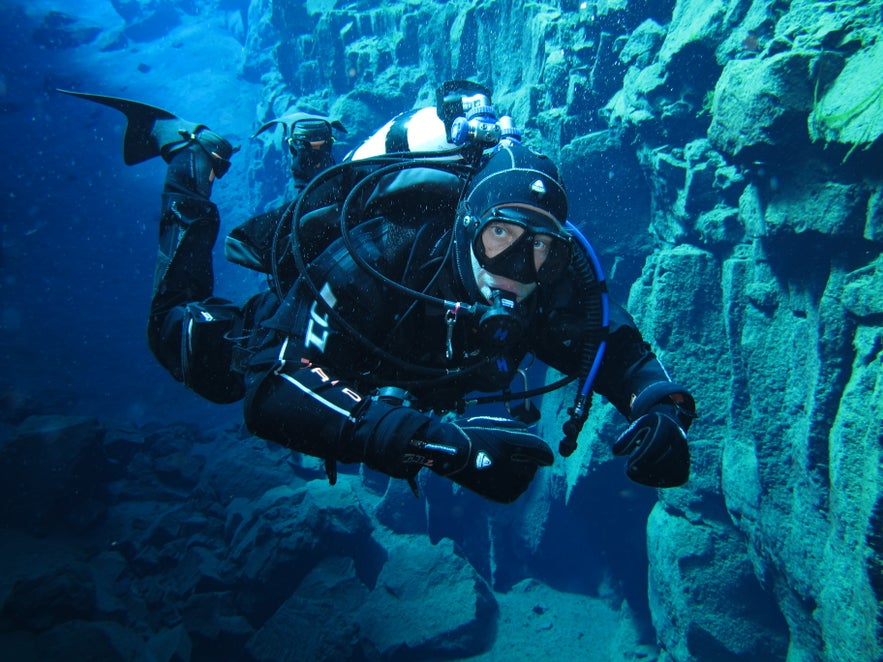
514 256
308 158
497 238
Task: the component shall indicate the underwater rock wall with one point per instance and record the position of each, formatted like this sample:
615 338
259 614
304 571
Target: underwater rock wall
725 157
767 291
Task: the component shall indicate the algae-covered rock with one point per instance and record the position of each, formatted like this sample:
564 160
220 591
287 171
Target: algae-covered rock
852 583
818 204
851 111
693 22
874 225
863 290
803 379
762 104
643 44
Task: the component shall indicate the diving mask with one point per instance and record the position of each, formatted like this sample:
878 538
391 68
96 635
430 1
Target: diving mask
523 244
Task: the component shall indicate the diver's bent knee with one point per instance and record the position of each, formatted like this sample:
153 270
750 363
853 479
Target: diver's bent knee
195 344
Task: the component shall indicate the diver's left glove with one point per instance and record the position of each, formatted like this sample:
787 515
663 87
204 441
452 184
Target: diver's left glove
656 441
195 160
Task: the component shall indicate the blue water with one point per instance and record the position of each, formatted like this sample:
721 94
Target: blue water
78 227
78 249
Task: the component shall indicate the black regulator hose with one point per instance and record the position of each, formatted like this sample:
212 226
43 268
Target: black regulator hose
452 168
591 276
296 210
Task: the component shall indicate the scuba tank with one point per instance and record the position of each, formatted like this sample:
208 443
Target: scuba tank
419 131
462 124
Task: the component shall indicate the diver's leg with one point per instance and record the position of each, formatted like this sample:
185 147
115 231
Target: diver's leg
188 329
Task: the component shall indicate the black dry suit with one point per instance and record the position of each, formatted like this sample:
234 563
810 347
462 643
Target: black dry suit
368 326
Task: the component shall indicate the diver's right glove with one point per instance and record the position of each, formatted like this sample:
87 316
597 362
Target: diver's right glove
656 441
494 457
195 159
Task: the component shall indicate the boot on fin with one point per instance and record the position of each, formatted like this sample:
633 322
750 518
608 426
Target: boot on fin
150 131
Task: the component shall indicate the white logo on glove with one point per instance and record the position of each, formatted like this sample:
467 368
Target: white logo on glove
483 460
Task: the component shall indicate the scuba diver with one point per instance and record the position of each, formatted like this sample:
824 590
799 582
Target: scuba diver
426 267
309 139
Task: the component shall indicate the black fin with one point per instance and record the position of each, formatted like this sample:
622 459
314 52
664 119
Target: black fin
147 129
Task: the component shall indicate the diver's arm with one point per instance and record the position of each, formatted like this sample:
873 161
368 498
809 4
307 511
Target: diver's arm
630 368
308 408
633 379
660 410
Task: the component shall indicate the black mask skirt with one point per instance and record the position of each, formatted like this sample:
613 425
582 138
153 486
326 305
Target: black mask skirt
517 261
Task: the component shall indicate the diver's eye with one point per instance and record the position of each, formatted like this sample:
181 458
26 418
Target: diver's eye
497 237
542 245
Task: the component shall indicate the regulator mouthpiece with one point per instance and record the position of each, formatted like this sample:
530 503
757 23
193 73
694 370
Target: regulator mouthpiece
499 326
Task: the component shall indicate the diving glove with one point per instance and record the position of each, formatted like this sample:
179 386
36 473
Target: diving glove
656 444
494 457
